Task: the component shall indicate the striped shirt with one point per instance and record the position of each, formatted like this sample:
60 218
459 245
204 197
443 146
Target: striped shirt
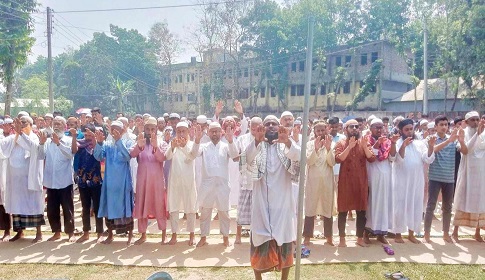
443 167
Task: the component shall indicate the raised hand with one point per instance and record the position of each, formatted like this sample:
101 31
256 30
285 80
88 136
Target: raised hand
352 142
140 141
116 134
42 137
295 134
432 140
17 126
395 137
183 141
318 143
407 141
154 140
219 107
229 134
198 133
89 133
283 135
364 141
481 126
99 137
327 142
166 136
238 107
73 132
259 136
55 139
461 134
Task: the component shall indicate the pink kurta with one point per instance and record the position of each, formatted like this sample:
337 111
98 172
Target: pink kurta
151 195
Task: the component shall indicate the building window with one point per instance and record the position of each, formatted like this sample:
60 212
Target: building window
262 92
338 61
300 90
374 57
363 59
313 90
348 60
293 67
293 90
192 77
347 87
244 93
180 79
273 92
302 66
246 72
188 78
239 73
323 90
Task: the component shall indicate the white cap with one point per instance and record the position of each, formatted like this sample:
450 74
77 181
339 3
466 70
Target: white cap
376 120
146 115
423 121
214 125
49 115
151 120
430 125
183 119
174 115
286 113
256 120
271 118
88 115
8 121
471 115
1 122
60 118
123 119
370 118
297 122
160 119
165 115
85 111
201 119
182 124
22 113
118 124
29 119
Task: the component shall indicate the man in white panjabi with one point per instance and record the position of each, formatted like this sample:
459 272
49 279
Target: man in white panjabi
273 226
469 202
214 190
408 180
5 220
245 180
320 186
23 194
182 194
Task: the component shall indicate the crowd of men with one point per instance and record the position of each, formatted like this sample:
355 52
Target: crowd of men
389 175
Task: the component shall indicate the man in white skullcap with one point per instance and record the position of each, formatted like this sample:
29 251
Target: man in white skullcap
116 202
182 194
58 153
5 221
203 122
470 187
214 190
23 194
245 179
150 198
273 227
48 118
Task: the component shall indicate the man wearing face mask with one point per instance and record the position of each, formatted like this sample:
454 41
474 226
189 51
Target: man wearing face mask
151 193
23 194
410 156
273 226
58 153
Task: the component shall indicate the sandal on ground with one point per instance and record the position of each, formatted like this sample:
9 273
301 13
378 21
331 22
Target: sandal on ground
388 250
396 275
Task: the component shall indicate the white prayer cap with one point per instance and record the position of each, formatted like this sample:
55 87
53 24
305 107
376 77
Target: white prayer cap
182 124
1 122
88 115
272 118
209 121
123 119
298 122
49 115
60 118
398 119
340 121
27 118
370 118
183 119
430 125
214 125
256 120
174 116
85 111
22 113
8 121
471 115
161 119
118 124
423 121
228 118
201 119
166 115
349 122
151 120
376 120
146 115
286 113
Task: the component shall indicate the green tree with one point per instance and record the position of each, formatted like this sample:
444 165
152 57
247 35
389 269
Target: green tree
16 26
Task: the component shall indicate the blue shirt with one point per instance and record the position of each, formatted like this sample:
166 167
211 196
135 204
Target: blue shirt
88 172
443 167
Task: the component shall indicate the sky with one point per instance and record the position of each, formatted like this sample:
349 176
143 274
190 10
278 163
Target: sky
179 20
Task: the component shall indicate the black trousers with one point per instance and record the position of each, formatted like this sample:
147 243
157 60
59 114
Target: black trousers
5 221
309 226
90 196
57 198
359 223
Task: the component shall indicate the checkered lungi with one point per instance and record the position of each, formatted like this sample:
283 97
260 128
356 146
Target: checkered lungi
21 222
244 207
120 225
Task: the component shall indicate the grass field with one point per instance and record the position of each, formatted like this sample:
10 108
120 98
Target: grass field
360 271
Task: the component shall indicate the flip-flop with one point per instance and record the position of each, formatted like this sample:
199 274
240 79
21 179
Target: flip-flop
396 275
388 250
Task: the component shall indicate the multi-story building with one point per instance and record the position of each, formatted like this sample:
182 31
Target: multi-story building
274 86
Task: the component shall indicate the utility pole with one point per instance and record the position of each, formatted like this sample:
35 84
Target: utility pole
49 58
425 67
306 109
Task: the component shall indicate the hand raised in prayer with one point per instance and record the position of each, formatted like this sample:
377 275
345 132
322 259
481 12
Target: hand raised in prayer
395 137
100 137
454 135
116 134
42 137
17 126
381 140
198 133
182 142
407 141
327 142
238 107
89 133
364 141
166 135
318 143
352 142
219 107
154 140
461 135
284 136
55 139
296 133
73 132
229 134
140 141
481 126
259 136
432 140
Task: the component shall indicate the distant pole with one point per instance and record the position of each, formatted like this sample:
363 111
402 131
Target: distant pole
306 108
425 67
49 58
